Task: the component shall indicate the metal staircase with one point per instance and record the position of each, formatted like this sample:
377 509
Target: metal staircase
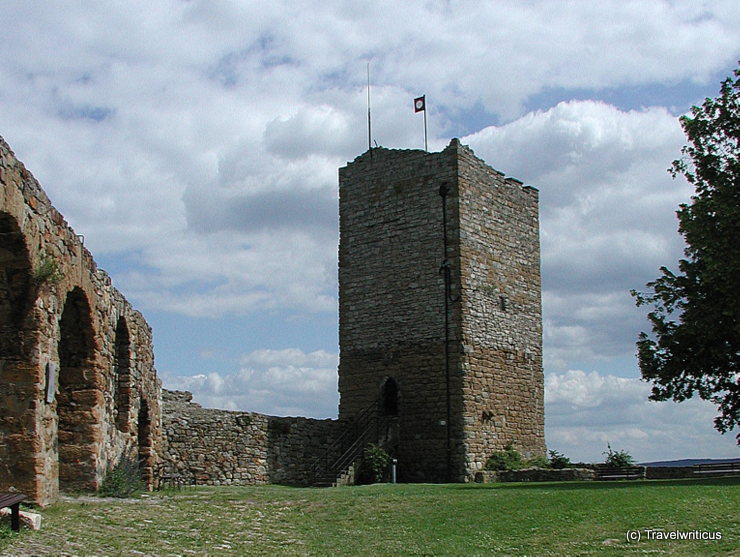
340 457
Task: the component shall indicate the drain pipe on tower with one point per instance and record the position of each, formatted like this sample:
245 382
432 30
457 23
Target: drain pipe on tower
446 271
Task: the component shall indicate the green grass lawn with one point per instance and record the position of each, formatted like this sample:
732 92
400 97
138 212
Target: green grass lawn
578 518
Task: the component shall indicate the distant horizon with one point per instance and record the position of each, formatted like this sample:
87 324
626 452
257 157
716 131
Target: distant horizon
687 461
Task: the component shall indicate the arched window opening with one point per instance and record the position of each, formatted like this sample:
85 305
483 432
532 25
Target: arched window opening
122 376
389 397
78 394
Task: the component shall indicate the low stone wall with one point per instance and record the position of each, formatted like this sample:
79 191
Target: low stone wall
534 475
220 447
568 474
669 472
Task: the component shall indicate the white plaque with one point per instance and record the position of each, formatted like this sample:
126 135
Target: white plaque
51 381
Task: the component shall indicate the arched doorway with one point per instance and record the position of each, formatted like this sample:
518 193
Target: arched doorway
122 376
389 426
79 395
18 377
389 397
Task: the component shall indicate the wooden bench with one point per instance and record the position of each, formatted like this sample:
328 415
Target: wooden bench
717 469
13 500
604 472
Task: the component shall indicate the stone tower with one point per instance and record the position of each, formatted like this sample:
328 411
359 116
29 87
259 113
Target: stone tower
440 321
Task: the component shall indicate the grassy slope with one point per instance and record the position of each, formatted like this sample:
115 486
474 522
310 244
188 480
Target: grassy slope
576 518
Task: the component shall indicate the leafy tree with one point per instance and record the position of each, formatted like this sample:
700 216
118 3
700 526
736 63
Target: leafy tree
695 346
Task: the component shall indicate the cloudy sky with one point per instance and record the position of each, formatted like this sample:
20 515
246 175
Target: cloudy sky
196 143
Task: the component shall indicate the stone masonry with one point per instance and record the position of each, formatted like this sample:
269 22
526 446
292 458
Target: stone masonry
219 447
440 323
439 329
78 388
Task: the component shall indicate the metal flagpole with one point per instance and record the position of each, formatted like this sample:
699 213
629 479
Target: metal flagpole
369 132
426 147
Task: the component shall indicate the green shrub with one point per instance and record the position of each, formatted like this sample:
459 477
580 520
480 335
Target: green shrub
374 465
558 460
48 271
122 480
537 462
617 459
508 459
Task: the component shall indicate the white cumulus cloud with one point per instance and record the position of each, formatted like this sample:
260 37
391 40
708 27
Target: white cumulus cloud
278 382
607 209
195 145
585 411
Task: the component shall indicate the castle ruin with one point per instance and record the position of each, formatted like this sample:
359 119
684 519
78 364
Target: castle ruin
440 342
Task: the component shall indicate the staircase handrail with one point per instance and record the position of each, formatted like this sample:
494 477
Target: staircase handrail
348 436
353 451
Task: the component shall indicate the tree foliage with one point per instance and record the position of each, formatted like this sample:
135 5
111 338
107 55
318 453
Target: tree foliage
617 459
695 345
558 460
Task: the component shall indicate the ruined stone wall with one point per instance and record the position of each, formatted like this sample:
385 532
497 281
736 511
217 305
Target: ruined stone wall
465 388
219 447
78 388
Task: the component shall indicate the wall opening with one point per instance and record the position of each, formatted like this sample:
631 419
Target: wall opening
78 395
15 286
389 426
389 398
122 376
18 378
144 436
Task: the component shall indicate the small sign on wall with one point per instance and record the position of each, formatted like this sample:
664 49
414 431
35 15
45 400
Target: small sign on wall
51 381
